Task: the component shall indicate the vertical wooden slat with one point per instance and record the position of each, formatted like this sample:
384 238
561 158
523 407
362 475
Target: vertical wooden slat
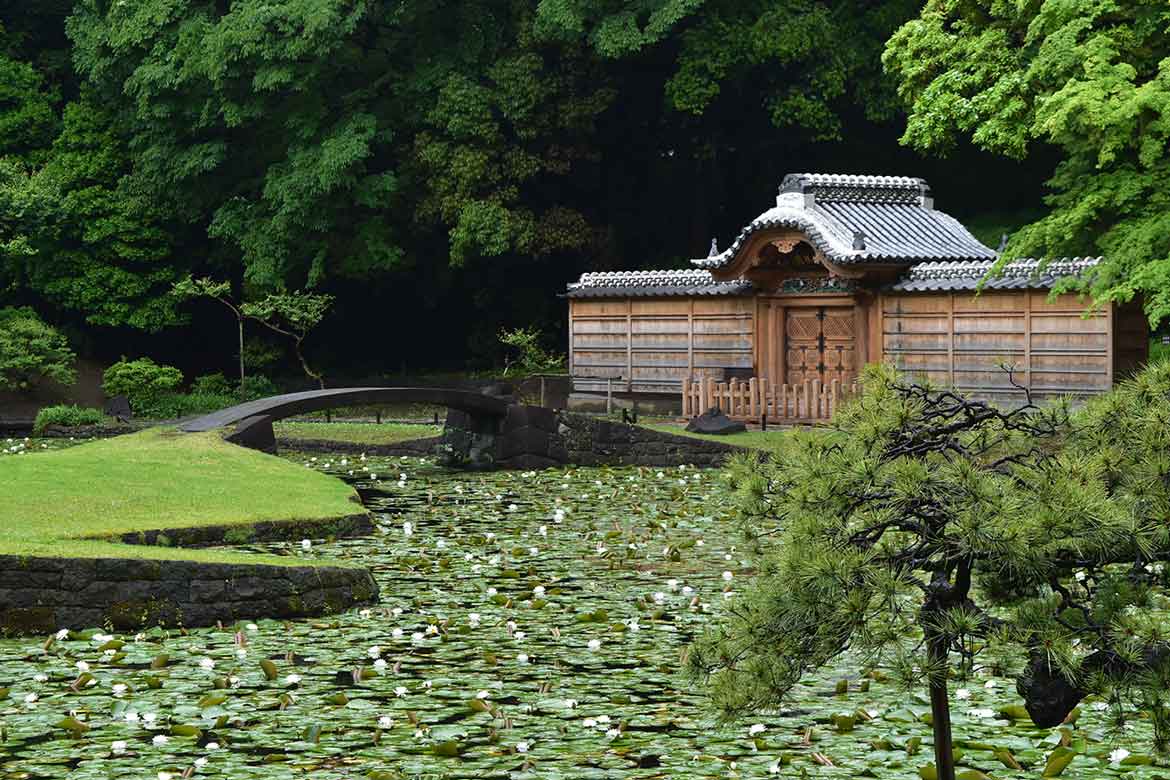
1027 338
807 405
833 396
753 397
780 352
819 412
629 344
686 399
1110 342
691 340
951 339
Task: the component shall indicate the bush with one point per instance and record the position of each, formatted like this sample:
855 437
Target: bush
211 384
257 386
533 358
144 382
31 350
68 416
174 405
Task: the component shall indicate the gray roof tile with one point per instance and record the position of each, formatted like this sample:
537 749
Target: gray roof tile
1024 273
892 218
622 284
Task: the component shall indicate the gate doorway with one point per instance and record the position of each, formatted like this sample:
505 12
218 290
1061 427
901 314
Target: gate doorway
820 344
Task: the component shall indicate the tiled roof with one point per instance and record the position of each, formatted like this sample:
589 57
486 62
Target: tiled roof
854 219
652 283
1019 274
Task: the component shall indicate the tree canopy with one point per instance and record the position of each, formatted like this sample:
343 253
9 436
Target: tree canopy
1089 78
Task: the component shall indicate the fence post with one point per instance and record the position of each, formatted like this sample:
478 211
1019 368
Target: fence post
753 397
609 395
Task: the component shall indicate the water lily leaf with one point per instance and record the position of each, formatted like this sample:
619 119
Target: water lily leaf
160 661
185 730
212 700
447 749
1014 712
74 726
269 669
312 733
1007 759
1058 761
972 774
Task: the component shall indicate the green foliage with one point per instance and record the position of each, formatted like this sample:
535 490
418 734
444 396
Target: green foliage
27 118
144 382
172 406
32 350
211 384
805 61
66 416
81 237
293 315
871 536
257 386
1092 79
531 357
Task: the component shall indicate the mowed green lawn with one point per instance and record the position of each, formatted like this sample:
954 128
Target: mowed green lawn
759 440
355 433
158 478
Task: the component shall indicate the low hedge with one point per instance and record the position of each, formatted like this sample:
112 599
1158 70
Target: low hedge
67 416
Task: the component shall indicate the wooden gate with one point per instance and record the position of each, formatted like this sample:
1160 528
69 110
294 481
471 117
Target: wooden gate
821 344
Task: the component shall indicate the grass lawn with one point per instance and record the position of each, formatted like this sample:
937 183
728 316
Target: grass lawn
355 433
755 439
154 479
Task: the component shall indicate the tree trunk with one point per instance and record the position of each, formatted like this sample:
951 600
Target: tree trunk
240 323
940 706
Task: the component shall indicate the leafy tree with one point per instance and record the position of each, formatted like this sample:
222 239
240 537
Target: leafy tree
1091 79
32 350
216 291
934 534
802 61
81 238
27 117
292 315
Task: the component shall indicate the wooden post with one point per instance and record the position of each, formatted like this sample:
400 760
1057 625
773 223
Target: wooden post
542 391
782 398
378 415
807 399
708 394
834 392
818 388
753 397
609 395
686 397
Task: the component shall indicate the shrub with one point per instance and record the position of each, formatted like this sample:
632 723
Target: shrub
31 350
257 386
533 358
211 384
175 405
144 382
68 416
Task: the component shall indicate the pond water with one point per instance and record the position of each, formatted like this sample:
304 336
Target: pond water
532 625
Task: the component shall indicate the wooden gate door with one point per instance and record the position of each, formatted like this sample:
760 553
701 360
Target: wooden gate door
821 343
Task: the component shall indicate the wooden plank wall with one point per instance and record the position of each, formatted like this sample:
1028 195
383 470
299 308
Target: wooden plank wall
1131 339
958 340
650 345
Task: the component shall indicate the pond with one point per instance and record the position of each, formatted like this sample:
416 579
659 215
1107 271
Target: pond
532 625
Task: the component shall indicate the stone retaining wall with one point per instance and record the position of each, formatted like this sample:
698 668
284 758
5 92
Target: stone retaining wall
534 438
41 595
411 447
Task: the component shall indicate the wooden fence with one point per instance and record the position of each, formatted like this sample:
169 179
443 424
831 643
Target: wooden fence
749 399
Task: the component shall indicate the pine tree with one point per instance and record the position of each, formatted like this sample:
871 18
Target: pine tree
931 533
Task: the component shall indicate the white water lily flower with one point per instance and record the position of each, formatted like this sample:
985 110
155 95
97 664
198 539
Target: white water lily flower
473 619
1080 576
40 677
1100 705
212 746
533 550
521 747
482 695
522 658
306 544
977 712
613 733
672 584
990 684
774 768
82 666
407 528
292 679
756 728
118 689
659 597
1117 756
252 627
118 746
160 739
163 775
401 691
543 530
589 723
131 716
962 693
512 507
632 624
62 634
385 722
149 717
559 515
594 644
417 636
571 703
207 663
492 591
31 698
200 762
727 576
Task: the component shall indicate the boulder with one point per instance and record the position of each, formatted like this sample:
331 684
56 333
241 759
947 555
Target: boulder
715 421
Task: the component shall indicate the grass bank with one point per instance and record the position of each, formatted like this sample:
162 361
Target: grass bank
760 440
355 433
53 503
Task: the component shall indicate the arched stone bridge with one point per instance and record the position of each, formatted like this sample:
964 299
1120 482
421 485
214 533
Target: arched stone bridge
278 407
482 431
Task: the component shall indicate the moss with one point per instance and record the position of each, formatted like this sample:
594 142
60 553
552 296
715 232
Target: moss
239 535
27 620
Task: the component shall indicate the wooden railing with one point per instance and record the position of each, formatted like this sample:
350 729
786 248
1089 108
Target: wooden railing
750 399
